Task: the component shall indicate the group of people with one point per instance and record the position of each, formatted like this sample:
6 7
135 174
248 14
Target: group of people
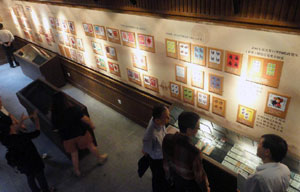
22 153
176 163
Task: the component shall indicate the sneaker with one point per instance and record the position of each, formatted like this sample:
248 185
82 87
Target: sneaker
102 159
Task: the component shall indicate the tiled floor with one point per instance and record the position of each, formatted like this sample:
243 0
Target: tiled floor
118 136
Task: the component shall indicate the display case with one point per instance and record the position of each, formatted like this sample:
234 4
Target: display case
230 151
38 95
37 63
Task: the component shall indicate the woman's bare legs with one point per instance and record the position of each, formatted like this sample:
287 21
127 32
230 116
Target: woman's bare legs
93 149
75 162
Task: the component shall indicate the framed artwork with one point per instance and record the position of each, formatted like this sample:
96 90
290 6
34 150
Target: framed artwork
146 42
218 106
203 100
71 27
111 52
64 24
88 29
151 83
114 68
128 39
215 58
199 54
38 37
277 104
175 90
60 38
21 22
139 61
184 51
113 35
73 42
171 48
26 34
100 32
31 34
134 76
66 39
16 11
233 63
58 24
73 55
41 30
27 23
215 84
79 44
80 57
181 73
61 50
246 115
67 52
100 63
198 79
97 48
49 34
52 22
264 71
49 38
188 95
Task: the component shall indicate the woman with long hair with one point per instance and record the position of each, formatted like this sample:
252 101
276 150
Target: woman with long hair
70 121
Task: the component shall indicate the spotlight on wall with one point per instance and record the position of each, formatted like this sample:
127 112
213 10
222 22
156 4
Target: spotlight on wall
236 6
133 2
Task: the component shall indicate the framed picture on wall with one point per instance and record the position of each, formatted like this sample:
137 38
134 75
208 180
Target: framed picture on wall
277 104
171 48
264 71
88 29
188 95
71 27
114 68
52 22
199 54
60 38
111 52
66 39
100 63
65 26
219 106
184 51
246 115
80 57
233 62
198 78
151 83
134 76
38 37
97 48
113 35
175 90
100 32
146 42
215 58
203 100
61 50
128 39
58 24
42 30
215 84
79 44
67 52
139 61
73 55
73 42
181 73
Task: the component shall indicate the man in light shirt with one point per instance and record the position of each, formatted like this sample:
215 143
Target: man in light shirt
272 176
152 146
6 39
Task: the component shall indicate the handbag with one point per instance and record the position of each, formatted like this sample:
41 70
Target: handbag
143 165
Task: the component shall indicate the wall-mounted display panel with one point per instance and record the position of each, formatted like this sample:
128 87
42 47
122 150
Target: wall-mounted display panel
184 51
264 71
139 61
203 100
134 76
114 68
218 106
128 38
181 73
215 84
113 35
171 48
215 58
188 95
146 42
100 32
175 90
88 29
199 54
277 104
246 115
233 63
151 83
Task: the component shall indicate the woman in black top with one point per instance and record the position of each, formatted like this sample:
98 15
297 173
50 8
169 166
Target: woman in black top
71 122
21 152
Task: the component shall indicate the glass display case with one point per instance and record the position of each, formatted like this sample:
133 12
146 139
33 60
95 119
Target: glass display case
37 63
230 151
